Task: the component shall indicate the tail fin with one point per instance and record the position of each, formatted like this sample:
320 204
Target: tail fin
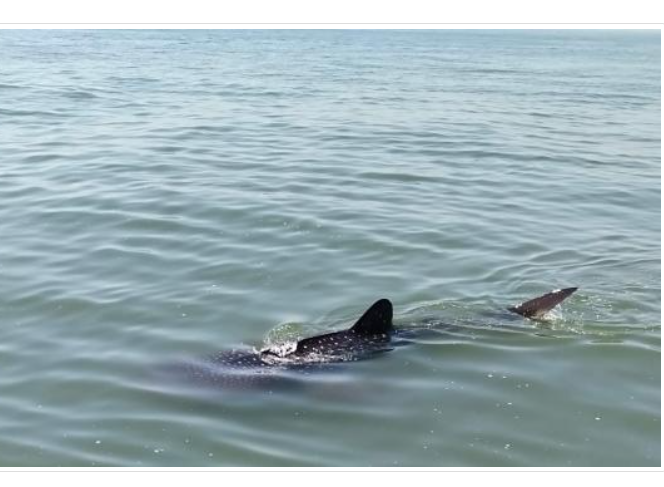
537 307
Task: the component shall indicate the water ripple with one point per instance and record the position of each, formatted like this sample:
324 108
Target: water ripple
191 191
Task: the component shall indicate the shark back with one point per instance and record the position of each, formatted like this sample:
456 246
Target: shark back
370 334
283 364
275 366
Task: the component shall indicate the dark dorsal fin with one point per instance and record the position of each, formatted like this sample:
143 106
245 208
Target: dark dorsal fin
376 320
537 307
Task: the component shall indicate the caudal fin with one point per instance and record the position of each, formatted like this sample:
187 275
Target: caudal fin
539 306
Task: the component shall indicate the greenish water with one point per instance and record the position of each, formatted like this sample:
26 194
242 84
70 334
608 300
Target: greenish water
168 194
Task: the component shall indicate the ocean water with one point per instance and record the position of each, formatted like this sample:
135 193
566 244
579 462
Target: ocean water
168 194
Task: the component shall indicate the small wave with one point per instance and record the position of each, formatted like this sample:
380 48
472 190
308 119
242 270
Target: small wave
80 95
29 113
36 158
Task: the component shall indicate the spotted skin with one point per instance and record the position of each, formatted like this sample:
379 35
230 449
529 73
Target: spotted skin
235 369
232 369
372 334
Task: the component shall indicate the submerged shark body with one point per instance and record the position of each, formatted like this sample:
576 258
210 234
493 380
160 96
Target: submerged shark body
372 334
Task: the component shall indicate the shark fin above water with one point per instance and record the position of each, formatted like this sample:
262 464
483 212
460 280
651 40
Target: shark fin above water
539 306
369 334
377 320
372 330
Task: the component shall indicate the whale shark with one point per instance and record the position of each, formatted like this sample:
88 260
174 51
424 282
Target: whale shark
371 335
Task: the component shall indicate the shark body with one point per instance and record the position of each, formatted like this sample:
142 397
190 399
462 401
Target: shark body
373 334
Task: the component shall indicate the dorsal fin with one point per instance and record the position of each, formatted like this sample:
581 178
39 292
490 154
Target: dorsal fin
539 306
376 320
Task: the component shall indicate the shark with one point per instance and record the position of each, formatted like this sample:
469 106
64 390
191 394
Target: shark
371 335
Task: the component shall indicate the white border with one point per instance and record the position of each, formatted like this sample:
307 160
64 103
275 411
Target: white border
325 26
327 14
312 13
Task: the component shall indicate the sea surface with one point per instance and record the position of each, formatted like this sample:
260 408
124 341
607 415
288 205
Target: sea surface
168 194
